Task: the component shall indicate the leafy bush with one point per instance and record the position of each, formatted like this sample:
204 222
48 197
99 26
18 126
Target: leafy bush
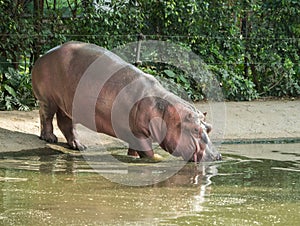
252 47
235 87
15 91
174 80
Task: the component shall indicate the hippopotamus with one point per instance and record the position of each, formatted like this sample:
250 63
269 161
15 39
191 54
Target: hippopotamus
87 84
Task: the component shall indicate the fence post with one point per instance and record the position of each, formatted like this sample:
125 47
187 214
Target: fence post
140 37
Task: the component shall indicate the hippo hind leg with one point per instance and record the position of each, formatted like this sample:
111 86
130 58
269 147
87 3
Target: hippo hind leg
47 111
66 126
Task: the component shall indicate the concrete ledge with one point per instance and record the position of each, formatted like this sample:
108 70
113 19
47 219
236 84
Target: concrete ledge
245 122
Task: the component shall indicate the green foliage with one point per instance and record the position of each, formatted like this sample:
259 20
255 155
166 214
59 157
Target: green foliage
252 47
16 34
273 47
15 91
175 80
236 87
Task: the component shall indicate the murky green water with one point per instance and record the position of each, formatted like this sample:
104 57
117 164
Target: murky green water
256 184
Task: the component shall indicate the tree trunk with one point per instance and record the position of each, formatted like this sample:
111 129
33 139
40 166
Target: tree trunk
38 9
244 31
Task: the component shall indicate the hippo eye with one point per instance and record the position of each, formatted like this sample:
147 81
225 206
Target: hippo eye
189 117
196 131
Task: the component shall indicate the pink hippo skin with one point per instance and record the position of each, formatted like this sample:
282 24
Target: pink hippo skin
84 83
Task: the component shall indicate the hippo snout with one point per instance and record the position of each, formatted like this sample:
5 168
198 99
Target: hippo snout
211 154
208 152
218 157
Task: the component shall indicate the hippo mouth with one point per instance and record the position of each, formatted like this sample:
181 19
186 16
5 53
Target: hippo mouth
205 151
193 147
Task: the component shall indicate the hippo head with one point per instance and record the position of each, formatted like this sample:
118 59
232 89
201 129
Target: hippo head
187 135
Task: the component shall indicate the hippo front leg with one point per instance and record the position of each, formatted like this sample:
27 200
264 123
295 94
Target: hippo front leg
145 154
141 154
132 153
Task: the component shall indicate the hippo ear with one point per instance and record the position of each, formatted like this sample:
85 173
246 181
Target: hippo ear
205 113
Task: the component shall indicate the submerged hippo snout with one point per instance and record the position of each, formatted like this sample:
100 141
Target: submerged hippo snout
211 154
219 157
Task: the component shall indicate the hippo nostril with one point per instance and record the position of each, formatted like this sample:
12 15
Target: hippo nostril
218 157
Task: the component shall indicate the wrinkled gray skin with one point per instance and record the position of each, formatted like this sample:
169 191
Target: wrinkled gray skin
146 109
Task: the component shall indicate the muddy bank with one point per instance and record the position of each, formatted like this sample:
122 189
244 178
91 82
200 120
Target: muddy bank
234 121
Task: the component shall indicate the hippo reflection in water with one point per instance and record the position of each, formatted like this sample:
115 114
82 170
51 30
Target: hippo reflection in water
84 83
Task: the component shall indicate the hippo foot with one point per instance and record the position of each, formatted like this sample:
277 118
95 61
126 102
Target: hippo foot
154 159
144 155
76 145
141 154
132 153
50 138
157 157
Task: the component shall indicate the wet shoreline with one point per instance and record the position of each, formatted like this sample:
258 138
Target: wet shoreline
243 122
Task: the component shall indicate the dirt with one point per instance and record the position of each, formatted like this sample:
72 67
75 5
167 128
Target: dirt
232 121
